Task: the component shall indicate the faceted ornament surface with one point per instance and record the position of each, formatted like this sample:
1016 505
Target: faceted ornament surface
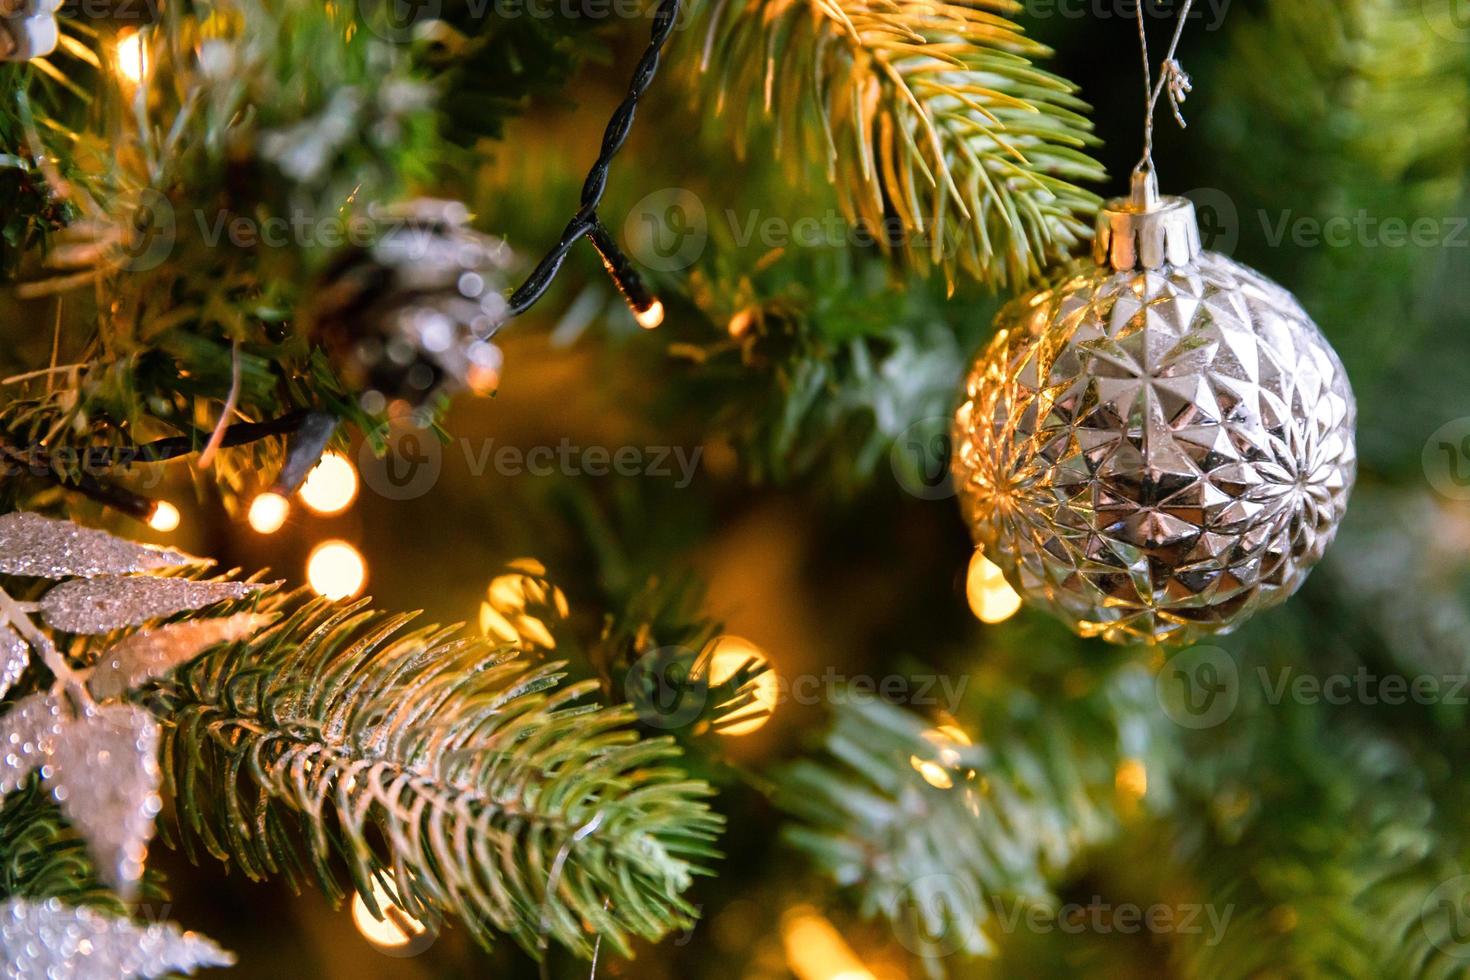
1153 456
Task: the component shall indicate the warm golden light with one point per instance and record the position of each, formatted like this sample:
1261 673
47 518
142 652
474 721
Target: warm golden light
815 950
331 486
730 653
937 769
336 570
651 316
506 613
268 512
1131 778
395 930
992 599
132 57
165 516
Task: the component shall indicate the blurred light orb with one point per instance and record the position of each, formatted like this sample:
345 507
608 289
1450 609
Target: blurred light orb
1131 779
268 512
336 570
165 516
331 486
992 599
730 653
815 950
132 57
938 769
397 933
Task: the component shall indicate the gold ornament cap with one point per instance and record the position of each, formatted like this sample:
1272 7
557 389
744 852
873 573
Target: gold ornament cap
1144 230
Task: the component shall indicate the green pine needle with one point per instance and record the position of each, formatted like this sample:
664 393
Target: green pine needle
457 771
931 120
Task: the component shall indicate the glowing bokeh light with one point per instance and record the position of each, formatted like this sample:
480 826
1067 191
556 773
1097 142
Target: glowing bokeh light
1131 778
336 570
132 57
815 950
268 512
937 770
730 653
395 930
331 486
992 599
165 516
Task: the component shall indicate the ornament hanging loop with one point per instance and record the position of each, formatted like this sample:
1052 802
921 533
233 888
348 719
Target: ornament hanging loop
1172 79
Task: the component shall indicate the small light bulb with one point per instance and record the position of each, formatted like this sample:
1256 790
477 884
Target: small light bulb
331 486
650 316
729 655
268 512
132 57
336 570
992 599
165 516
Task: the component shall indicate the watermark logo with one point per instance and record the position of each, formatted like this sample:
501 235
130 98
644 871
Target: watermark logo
665 689
937 915
408 468
1450 19
1445 917
920 458
1198 687
1218 219
148 230
398 20
1446 459
667 230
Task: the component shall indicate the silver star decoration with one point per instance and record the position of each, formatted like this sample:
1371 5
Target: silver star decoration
1156 455
46 939
99 605
154 652
103 771
40 547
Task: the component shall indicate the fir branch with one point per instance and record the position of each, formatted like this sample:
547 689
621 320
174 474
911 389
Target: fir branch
460 772
41 857
941 135
921 824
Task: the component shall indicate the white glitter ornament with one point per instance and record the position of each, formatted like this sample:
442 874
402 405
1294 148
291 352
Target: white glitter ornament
1159 443
103 770
41 547
99 605
46 939
152 653
28 733
15 653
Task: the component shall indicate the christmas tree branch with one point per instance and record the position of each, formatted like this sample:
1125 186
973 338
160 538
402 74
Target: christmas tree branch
922 823
474 769
939 132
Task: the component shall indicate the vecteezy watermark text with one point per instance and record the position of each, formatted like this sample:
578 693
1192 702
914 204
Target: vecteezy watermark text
566 459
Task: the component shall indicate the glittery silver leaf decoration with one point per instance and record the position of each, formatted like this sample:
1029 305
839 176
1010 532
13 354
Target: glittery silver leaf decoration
98 605
152 653
28 732
44 938
1156 455
15 653
44 548
104 772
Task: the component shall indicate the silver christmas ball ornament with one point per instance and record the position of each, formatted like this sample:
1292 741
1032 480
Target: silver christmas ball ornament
1159 443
